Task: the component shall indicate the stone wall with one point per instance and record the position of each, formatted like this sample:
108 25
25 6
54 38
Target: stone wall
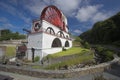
2 50
55 73
58 73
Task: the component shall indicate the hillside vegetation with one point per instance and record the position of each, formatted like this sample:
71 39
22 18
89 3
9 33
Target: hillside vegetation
104 32
6 34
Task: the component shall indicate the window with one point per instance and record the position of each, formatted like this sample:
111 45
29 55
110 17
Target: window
50 30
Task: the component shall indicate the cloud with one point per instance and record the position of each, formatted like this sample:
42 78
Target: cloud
81 10
35 6
5 23
68 6
14 11
6 26
77 31
10 9
24 18
13 2
92 14
3 19
101 16
86 13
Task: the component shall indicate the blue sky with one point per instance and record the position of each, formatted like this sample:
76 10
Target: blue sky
82 14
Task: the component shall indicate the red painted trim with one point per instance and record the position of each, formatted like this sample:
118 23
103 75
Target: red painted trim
53 15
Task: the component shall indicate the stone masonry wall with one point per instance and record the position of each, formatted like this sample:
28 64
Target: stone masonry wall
57 73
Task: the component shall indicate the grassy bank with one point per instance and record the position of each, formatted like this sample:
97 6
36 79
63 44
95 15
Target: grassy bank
71 51
83 55
10 51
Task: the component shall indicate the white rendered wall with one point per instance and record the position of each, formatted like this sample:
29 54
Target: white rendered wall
34 41
47 43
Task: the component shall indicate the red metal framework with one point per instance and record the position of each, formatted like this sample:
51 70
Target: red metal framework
53 15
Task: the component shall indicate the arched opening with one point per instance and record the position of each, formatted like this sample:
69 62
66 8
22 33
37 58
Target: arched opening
60 34
37 26
56 43
50 30
66 44
67 36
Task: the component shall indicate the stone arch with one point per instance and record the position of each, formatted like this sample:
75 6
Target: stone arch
67 44
61 34
50 30
56 43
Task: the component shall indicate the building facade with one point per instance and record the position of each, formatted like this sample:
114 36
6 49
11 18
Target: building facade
49 34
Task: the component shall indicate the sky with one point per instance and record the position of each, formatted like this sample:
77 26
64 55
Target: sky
81 14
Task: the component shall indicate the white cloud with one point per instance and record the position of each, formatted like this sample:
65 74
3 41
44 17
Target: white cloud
100 16
92 14
24 18
86 13
79 9
10 9
77 31
6 26
35 6
13 2
68 6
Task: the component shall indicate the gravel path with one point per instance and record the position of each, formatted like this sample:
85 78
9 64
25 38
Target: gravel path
86 77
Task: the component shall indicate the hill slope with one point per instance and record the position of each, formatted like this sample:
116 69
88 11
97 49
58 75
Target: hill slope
107 31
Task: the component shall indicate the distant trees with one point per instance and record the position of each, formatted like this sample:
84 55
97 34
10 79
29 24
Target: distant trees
104 31
7 35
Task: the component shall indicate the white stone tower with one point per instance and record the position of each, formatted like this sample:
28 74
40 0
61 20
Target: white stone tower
49 34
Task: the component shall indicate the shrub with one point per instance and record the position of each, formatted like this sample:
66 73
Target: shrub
109 55
104 54
37 58
117 43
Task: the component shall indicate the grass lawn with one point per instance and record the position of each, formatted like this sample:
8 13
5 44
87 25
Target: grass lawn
71 51
10 51
70 62
83 55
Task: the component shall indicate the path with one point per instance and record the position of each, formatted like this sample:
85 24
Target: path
86 77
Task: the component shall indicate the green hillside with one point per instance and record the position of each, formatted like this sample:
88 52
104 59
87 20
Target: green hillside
6 34
105 32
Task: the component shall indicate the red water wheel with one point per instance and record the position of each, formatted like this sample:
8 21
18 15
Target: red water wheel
53 15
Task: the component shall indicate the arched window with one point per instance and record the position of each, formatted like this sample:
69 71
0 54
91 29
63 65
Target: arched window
60 34
66 44
56 43
50 30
